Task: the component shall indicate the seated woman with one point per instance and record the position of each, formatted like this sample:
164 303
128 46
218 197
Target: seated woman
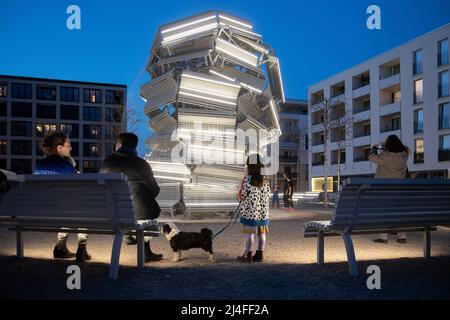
391 163
56 147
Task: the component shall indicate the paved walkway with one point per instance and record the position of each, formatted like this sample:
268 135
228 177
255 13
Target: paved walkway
289 270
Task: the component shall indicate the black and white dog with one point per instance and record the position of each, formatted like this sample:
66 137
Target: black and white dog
180 240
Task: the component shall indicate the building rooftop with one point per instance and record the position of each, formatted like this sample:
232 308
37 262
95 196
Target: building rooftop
63 81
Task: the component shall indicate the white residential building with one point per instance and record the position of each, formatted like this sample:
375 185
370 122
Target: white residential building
404 91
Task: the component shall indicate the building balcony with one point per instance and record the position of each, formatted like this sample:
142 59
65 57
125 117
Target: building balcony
316 149
317 127
390 81
317 163
361 141
390 108
361 91
289 145
362 115
288 159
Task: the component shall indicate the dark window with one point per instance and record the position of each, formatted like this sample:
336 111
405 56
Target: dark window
39 151
418 59
90 166
3 128
109 149
21 166
418 121
43 129
21 147
443 87
113 97
444 148
443 52
3 164
91 149
92 114
69 94
92 96
444 116
21 90
46 111
71 130
21 128
111 132
92 131
70 112
75 149
3 109
3 146
21 109
3 90
46 93
113 115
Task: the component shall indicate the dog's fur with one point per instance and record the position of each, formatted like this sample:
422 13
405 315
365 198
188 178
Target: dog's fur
180 240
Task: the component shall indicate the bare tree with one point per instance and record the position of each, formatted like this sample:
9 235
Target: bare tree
330 112
133 119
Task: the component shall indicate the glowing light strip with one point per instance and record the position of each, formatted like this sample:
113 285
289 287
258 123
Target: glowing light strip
184 172
168 163
217 149
250 87
189 32
221 75
210 80
227 132
236 21
272 107
198 204
237 48
173 178
281 80
243 30
206 98
209 92
187 24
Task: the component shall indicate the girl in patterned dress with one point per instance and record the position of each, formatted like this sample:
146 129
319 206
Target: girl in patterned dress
254 209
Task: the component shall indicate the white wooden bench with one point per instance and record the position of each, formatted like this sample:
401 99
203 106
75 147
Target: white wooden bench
94 203
369 206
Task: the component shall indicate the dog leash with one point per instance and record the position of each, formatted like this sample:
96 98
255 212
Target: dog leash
235 217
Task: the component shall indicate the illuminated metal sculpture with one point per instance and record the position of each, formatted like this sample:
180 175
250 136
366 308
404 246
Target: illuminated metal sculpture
210 69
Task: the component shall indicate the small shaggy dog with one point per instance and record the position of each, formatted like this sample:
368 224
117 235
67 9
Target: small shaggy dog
180 240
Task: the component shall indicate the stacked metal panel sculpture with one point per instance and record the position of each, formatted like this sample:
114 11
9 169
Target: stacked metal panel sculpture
210 75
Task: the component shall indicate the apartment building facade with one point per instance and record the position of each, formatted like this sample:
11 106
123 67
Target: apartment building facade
293 146
404 91
91 114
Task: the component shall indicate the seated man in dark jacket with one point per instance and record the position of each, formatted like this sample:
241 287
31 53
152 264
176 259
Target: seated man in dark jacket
142 183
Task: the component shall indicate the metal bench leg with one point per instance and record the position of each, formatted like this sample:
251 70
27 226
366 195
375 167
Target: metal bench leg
140 248
427 242
350 254
115 256
19 242
320 248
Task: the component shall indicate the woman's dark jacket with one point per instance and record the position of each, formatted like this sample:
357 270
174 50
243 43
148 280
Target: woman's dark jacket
143 185
54 164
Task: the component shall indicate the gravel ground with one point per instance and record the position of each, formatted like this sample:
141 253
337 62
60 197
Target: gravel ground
289 270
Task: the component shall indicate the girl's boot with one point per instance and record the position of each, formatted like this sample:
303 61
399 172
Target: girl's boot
247 257
258 257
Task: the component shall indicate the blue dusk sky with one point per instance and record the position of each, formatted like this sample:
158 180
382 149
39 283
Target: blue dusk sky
313 39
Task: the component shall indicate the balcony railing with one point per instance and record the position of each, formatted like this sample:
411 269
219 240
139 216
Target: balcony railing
393 72
390 128
444 155
317 163
360 159
289 159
